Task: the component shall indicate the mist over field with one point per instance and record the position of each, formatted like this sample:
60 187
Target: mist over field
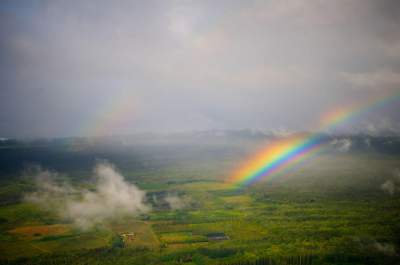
188 132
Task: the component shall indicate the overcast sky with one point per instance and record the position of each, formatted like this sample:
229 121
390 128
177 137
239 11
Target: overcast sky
110 67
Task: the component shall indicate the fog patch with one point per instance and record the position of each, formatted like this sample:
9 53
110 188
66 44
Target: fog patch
175 202
49 190
110 197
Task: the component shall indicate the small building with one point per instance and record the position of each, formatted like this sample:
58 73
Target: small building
217 236
128 237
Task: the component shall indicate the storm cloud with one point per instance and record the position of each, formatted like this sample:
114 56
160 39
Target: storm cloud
101 67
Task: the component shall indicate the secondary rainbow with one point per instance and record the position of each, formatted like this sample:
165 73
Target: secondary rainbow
282 154
111 117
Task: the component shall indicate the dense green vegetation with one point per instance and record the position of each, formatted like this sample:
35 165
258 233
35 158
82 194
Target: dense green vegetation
331 210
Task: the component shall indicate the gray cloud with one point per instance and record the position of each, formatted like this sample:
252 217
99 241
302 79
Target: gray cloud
66 67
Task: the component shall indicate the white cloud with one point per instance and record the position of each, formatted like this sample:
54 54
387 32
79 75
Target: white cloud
112 196
342 145
392 186
389 187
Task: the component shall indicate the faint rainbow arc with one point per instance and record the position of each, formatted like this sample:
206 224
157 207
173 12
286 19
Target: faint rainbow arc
110 116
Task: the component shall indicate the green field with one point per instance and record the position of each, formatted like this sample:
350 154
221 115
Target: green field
331 210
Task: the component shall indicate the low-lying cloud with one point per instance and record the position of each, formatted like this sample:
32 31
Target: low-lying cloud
111 196
342 145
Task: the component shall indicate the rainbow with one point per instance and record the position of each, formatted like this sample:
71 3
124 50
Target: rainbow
284 153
